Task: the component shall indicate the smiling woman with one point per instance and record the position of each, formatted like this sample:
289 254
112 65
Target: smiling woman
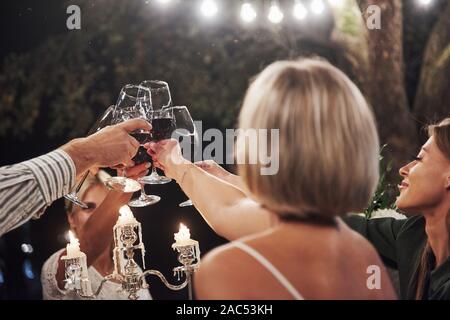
426 189
424 178
424 194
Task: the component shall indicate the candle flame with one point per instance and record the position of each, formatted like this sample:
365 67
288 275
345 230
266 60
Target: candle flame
183 234
125 211
184 229
72 237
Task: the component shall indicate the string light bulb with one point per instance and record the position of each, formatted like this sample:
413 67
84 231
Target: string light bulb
275 14
300 11
209 8
317 6
425 2
248 13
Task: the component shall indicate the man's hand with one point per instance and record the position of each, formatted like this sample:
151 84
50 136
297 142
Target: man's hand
110 147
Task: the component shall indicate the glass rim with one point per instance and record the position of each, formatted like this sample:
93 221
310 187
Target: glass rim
133 86
157 82
159 85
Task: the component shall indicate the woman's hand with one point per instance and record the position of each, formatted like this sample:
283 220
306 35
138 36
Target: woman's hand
167 156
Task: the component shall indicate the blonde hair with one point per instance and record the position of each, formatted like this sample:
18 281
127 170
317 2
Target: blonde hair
329 147
91 180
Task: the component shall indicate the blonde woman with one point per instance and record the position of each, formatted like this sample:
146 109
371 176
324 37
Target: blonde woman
419 248
94 228
327 167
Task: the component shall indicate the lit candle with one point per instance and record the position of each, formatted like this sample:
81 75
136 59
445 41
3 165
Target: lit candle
188 249
73 248
126 216
183 237
81 281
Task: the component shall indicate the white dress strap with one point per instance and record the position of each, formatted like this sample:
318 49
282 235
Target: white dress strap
270 267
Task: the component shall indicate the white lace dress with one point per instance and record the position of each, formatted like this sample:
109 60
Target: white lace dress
51 291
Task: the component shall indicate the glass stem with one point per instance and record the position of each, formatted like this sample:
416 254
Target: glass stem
81 182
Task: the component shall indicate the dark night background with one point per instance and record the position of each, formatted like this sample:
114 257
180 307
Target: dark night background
25 25
54 82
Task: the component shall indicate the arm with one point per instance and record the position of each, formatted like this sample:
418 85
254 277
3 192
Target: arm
227 209
28 188
382 233
217 171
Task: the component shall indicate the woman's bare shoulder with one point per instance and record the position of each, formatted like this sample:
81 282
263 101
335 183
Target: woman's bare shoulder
356 243
222 273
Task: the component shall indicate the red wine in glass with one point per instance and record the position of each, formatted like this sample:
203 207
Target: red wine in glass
163 128
142 156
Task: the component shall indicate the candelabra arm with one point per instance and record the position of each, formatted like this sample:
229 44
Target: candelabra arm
164 280
100 288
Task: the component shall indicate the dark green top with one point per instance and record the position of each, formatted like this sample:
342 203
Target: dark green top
400 244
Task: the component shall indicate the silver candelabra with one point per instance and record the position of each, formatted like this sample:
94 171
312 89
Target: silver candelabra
127 241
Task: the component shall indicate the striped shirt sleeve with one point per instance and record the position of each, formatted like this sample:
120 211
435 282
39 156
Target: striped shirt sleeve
28 188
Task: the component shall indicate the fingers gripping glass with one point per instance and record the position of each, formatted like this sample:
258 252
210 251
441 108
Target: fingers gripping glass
102 122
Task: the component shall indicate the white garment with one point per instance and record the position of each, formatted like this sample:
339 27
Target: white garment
110 291
270 267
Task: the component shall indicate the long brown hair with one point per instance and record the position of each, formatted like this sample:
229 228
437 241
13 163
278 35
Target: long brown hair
441 135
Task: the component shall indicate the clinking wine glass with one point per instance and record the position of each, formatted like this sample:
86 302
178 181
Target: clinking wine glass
185 127
102 122
171 123
161 100
134 103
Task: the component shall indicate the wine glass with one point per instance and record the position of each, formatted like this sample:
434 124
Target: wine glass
172 123
102 122
134 103
185 127
161 100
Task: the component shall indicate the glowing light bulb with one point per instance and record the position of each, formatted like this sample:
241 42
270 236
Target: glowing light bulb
425 2
209 8
300 11
248 13
275 14
317 6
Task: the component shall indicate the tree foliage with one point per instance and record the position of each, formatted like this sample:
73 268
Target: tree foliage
69 79
58 89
